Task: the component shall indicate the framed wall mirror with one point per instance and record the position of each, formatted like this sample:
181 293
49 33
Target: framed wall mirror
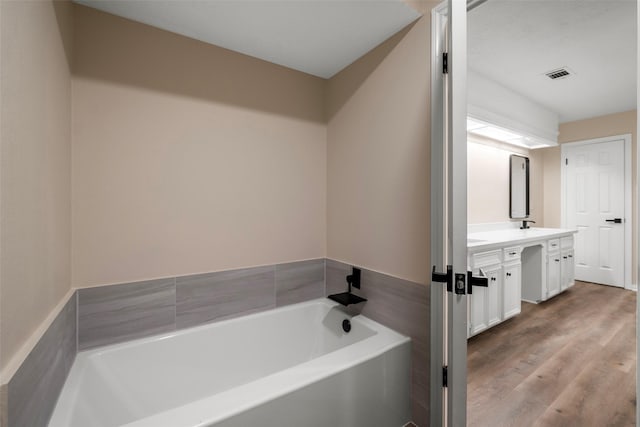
518 187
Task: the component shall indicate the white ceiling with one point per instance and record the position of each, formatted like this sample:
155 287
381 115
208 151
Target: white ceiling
514 42
319 37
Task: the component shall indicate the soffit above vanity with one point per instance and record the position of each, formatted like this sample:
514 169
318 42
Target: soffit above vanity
313 36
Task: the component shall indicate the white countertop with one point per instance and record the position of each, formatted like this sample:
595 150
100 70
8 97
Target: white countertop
488 240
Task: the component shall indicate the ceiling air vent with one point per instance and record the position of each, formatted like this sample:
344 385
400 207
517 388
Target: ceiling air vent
559 73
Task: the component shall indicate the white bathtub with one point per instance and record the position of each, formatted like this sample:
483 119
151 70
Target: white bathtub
291 366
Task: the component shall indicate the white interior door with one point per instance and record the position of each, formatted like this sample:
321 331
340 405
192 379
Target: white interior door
448 401
595 206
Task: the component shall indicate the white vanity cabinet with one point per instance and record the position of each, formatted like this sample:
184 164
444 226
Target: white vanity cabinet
484 303
560 265
530 265
500 300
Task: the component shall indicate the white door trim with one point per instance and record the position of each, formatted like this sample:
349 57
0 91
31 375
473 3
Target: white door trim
449 214
437 400
457 212
628 196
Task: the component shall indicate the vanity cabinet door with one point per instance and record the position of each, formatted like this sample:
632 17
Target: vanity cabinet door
485 304
553 274
567 269
511 290
478 302
494 300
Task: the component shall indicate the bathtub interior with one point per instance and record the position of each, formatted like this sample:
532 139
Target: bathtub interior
121 383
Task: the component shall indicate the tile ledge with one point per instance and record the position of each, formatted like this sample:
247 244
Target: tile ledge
419 283
177 276
20 356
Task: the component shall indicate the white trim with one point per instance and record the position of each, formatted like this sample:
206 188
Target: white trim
637 214
498 145
550 138
456 178
437 400
628 195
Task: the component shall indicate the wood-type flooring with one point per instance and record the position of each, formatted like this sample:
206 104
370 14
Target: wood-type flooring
569 361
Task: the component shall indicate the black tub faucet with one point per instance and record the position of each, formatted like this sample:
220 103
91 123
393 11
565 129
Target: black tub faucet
525 224
348 298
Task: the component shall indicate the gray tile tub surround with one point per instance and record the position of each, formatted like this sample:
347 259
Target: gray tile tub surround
400 305
33 391
117 313
299 281
215 296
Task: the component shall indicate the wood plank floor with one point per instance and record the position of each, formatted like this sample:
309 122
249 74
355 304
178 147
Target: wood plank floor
570 361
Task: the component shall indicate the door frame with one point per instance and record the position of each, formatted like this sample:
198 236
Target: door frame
437 407
448 403
628 197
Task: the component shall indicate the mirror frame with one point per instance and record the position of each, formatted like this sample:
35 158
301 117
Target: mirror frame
511 185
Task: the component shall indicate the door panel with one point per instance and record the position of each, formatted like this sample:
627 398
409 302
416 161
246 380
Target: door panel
581 254
594 194
604 248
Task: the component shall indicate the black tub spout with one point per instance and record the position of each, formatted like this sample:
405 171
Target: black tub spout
348 298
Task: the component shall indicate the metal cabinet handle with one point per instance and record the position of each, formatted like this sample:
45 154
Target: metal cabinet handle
615 220
508 274
513 253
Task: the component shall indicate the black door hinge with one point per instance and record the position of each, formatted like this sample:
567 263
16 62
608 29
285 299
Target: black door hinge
445 370
445 63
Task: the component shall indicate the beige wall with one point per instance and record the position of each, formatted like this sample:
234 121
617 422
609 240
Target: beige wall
378 149
536 187
35 154
613 124
488 181
189 158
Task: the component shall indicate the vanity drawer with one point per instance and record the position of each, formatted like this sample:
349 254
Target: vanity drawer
482 259
566 242
553 245
512 253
